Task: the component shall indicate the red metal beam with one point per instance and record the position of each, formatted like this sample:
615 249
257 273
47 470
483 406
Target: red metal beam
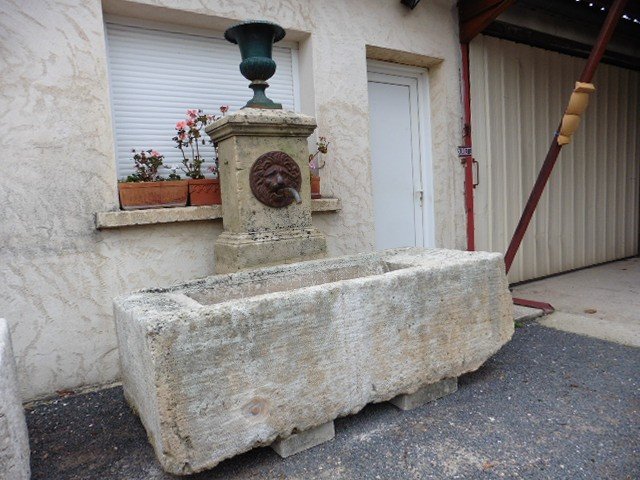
554 149
609 26
476 15
545 307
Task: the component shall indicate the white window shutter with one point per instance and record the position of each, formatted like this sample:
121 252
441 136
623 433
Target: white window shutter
155 76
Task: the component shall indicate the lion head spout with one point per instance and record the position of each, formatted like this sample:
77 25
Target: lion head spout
271 174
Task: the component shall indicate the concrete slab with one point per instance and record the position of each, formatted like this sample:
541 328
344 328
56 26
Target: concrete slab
299 442
602 302
624 333
521 314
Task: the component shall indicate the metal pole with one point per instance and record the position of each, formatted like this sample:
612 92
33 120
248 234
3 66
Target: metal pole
587 75
468 160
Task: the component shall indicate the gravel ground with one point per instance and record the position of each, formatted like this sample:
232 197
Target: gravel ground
549 405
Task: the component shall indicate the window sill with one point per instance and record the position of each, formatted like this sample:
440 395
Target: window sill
152 216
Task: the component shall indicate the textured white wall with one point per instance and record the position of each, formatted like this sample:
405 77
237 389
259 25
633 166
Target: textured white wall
59 274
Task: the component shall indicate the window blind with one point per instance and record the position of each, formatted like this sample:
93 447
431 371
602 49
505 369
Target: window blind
155 76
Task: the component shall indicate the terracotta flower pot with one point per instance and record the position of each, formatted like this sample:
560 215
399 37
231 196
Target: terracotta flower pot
315 186
204 191
138 195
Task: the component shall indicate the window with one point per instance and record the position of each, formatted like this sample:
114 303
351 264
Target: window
155 75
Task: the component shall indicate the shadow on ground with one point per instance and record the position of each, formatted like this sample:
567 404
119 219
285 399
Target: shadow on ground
549 405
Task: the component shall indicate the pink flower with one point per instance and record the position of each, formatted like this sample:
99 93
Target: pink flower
155 153
182 136
224 109
181 125
191 122
192 112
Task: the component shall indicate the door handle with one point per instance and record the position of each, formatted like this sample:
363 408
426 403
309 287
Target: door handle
477 182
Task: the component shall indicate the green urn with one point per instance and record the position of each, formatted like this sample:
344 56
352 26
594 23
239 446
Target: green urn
255 39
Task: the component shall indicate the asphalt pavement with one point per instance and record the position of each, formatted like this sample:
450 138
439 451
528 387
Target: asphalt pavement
549 405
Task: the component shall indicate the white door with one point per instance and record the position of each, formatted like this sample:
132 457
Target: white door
400 164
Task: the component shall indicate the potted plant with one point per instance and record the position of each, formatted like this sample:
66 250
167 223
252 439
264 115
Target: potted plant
202 191
147 189
316 162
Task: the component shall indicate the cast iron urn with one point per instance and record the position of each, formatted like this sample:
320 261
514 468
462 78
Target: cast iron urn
256 39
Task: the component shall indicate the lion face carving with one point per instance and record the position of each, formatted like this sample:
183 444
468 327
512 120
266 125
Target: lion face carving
270 177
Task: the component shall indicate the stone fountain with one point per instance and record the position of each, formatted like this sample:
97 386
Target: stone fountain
264 168
272 355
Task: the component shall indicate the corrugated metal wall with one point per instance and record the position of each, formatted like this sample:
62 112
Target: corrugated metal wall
589 211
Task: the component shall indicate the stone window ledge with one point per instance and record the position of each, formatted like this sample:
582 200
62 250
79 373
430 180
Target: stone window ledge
152 216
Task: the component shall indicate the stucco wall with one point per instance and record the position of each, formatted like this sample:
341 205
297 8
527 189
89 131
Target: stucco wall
59 273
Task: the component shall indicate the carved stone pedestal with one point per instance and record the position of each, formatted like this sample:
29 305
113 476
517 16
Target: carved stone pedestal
263 223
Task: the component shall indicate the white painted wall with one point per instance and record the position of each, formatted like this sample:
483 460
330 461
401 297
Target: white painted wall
59 274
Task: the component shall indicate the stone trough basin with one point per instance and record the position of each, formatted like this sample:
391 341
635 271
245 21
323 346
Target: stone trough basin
220 365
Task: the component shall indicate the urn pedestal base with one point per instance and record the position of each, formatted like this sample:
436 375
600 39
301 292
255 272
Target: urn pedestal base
241 251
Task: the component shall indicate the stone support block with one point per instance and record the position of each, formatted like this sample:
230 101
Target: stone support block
220 365
14 440
299 442
409 401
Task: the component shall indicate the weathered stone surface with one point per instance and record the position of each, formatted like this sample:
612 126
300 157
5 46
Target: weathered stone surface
14 441
409 401
244 136
255 234
299 442
326 204
220 365
130 218
236 251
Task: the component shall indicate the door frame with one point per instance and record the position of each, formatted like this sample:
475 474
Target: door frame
385 72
